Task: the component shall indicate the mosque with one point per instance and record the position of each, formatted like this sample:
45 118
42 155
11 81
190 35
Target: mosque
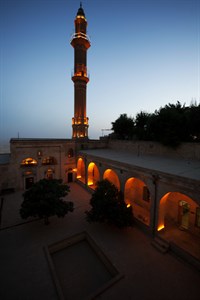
162 185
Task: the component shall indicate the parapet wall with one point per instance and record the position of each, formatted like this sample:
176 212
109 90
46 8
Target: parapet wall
184 151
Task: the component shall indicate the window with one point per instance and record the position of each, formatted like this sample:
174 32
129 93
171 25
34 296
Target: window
49 160
70 153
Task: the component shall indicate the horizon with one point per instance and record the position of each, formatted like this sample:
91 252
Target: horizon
144 55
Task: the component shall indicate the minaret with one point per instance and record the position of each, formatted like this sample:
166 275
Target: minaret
80 42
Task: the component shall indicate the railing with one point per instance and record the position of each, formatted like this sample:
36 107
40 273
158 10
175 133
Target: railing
80 35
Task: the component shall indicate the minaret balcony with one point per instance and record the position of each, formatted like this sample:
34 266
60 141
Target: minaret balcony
80 72
78 35
80 38
79 121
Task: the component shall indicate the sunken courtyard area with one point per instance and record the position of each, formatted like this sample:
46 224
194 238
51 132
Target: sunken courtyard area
101 261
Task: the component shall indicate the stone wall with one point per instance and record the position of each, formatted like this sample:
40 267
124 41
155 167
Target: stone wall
184 151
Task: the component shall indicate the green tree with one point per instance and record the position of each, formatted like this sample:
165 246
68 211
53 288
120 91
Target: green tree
44 199
108 206
123 127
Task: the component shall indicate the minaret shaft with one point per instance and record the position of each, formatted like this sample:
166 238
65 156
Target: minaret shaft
80 42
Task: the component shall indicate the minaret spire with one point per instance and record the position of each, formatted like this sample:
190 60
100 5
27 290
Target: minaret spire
80 42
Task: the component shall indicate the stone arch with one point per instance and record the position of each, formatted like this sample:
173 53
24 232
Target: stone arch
136 194
110 175
93 175
81 170
172 206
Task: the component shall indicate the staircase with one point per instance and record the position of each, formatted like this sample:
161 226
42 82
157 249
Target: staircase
160 244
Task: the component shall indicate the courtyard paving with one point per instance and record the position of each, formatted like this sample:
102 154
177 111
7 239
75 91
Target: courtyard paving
147 273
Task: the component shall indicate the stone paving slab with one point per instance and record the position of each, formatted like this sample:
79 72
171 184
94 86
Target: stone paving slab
148 274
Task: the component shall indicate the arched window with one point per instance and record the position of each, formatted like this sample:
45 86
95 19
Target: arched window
70 153
28 162
49 160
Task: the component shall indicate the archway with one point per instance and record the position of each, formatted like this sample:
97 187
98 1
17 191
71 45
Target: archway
29 179
178 209
81 170
136 193
112 177
179 221
93 175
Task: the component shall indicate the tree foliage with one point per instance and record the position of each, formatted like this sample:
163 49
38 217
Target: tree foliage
108 206
123 127
170 125
44 199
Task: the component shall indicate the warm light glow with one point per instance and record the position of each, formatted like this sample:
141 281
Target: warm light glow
81 17
112 177
28 162
74 170
161 227
90 182
128 205
78 176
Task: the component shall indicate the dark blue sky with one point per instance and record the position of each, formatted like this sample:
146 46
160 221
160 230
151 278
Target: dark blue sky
144 54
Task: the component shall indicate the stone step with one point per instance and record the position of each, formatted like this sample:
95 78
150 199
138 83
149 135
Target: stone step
160 244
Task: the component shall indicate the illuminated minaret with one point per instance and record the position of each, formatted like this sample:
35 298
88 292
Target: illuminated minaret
80 42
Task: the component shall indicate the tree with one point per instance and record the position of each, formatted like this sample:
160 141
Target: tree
193 122
123 127
142 121
170 128
44 199
108 206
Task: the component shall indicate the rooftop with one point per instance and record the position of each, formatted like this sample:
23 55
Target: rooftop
179 167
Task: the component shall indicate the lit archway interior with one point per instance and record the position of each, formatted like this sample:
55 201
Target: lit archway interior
112 177
93 175
137 194
81 170
179 210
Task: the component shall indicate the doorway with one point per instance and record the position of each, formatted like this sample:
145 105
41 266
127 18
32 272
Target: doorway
70 177
184 211
29 181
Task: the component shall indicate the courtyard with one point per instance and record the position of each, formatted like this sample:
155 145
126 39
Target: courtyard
145 273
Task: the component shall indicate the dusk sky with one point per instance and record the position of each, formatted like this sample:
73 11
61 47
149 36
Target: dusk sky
144 54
